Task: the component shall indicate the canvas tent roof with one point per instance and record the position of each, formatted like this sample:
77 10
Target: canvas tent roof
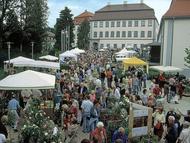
28 80
166 68
133 61
38 64
19 59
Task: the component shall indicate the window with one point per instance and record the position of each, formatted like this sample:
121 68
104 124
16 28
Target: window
95 34
123 45
135 46
135 33
106 34
123 23
118 23
142 34
101 46
130 23
149 34
136 23
118 34
101 24
129 34
115 46
113 24
101 34
107 23
142 45
108 45
112 34
123 33
142 23
149 23
95 24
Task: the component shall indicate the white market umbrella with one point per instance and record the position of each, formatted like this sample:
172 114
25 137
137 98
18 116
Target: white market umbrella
28 80
49 58
18 59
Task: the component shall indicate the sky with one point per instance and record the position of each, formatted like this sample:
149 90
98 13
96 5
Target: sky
79 6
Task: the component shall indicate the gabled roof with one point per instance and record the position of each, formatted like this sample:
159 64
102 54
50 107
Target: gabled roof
86 15
124 11
178 9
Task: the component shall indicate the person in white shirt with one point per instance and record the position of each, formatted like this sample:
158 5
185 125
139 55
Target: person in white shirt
116 93
184 136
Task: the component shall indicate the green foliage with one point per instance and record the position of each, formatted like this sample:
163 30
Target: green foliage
187 59
83 35
64 22
23 21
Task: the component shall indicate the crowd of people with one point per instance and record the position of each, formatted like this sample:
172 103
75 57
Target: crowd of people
83 88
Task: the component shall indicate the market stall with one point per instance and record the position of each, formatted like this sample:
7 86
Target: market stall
38 64
15 60
134 61
28 80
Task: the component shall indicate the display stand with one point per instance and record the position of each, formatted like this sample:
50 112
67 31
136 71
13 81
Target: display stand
140 120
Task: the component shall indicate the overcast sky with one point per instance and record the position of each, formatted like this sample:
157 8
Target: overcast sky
79 6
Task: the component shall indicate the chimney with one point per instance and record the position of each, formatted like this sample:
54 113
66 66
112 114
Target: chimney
109 3
125 2
142 1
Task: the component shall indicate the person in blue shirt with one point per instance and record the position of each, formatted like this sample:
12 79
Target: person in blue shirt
13 107
120 134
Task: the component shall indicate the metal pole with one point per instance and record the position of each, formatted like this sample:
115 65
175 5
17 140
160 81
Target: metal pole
62 32
9 54
66 32
69 37
32 50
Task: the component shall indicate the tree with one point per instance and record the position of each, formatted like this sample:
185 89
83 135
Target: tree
83 35
64 22
36 21
187 59
5 7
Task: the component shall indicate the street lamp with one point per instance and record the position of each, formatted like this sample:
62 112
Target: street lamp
9 54
32 49
65 39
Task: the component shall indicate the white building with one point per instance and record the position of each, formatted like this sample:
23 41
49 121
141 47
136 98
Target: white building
174 34
86 15
123 25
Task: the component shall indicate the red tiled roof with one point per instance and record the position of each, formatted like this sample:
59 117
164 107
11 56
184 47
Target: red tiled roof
82 17
178 8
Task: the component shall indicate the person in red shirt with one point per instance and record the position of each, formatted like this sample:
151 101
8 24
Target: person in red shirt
99 133
157 91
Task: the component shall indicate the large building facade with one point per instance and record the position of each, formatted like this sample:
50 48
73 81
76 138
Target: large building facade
174 34
124 25
86 15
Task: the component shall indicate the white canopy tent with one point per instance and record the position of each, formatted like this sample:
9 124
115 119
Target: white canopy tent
77 51
18 59
49 58
38 64
67 54
28 80
166 68
126 52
